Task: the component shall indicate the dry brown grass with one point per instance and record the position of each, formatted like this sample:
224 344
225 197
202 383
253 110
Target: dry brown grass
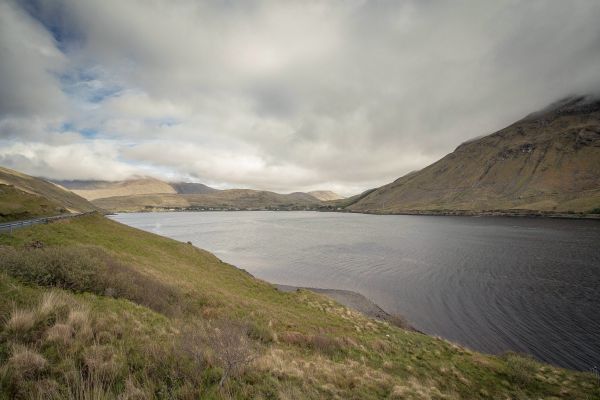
25 362
83 386
20 322
320 342
80 322
52 302
79 319
46 389
335 378
102 361
133 391
60 333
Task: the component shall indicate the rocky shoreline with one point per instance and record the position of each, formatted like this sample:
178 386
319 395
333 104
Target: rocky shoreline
355 301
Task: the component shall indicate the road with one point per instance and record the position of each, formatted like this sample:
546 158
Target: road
8 227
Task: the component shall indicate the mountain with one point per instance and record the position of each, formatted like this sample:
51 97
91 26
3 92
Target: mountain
221 199
92 190
23 197
548 161
153 194
192 188
325 195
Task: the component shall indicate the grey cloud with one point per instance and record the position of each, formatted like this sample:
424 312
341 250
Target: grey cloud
291 95
29 63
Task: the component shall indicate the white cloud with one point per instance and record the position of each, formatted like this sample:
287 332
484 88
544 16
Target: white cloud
89 160
278 95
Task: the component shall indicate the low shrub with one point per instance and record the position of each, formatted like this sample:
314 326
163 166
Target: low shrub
320 342
520 369
224 344
88 269
261 333
399 321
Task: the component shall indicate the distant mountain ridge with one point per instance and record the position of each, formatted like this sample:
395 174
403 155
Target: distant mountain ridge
149 193
547 161
93 190
192 188
325 195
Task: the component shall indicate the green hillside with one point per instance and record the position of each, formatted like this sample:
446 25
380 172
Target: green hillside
92 309
18 205
23 197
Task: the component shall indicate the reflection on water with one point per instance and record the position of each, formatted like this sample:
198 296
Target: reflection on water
493 284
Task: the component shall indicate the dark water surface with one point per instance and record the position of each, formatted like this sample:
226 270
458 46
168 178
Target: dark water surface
492 284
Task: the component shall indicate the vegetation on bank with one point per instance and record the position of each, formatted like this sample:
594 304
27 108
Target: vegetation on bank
92 309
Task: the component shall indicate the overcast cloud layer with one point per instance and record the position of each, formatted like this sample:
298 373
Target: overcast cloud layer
286 96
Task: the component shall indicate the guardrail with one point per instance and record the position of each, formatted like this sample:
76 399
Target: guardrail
8 227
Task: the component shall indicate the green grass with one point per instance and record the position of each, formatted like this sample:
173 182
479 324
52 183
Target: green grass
46 193
300 345
17 205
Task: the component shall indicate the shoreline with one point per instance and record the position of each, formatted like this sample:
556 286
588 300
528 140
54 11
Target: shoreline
355 301
430 213
491 213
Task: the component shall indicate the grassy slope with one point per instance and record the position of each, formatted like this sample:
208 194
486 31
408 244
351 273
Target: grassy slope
17 205
54 194
548 162
311 347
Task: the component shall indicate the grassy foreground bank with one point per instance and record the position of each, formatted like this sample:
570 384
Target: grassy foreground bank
92 309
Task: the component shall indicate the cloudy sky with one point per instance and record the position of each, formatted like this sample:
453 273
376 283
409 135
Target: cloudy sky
279 95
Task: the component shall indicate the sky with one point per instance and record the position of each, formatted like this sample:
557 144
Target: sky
277 95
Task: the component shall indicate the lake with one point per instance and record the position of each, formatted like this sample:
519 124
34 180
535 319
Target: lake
493 284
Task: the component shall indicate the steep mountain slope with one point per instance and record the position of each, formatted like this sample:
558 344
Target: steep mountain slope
548 161
23 196
192 188
325 195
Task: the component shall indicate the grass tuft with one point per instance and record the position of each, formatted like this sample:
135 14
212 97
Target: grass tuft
520 369
25 362
20 322
60 333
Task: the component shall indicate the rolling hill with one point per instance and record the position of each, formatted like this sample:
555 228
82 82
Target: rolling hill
548 161
23 197
93 190
325 195
223 199
150 193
